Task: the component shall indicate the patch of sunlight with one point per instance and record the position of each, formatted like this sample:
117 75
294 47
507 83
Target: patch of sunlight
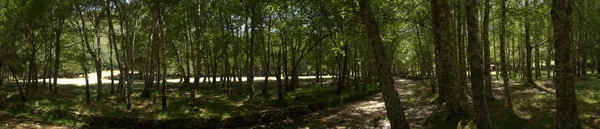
162 115
406 93
370 106
540 96
587 100
524 115
237 104
11 94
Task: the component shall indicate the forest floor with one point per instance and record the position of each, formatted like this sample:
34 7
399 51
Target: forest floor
366 113
533 108
212 101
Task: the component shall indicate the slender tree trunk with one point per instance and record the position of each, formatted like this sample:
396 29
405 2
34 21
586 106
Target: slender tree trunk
83 53
489 95
21 94
504 65
538 63
98 59
111 40
460 41
161 33
391 97
567 116
149 79
482 117
528 48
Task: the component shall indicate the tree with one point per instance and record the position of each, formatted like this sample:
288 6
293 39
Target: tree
489 95
395 110
111 41
58 29
482 117
567 116
528 47
446 58
84 40
503 61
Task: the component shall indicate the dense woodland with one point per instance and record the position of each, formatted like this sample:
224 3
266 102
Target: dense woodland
470 58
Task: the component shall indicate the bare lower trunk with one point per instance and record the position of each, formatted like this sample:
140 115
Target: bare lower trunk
503 61
567 116
446 56
489 95
482 118
21 94
393 105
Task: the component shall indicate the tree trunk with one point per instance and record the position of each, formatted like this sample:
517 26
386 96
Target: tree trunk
482 117
111 40
250 54
504 65
83 53
21 94
528 48
278 75
567 116
538 63
149 79
161 33
462 66
98 60
489 95
395 110
446 59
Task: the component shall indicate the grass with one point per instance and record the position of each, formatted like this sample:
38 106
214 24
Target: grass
534 109
210 101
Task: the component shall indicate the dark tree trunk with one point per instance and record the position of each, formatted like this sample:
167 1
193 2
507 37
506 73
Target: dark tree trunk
567 116
278 75
111 41
83 54
504 65
21 94
538 63
161 33
482 117
395 110
528 49
489 95
149 79
250 53
446 59
98 60
460 52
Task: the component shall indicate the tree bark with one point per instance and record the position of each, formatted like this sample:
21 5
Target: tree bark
161 39
489 95
504 64
567 116
446 59
482 117
111 40
83 53
21 94
395 110
149 79
528 48
97 57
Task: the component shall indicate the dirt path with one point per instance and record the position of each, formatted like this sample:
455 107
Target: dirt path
366 113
